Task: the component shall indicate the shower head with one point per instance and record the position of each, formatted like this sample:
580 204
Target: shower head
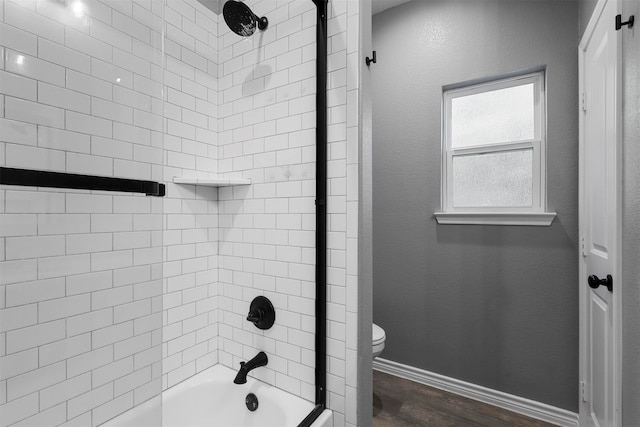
241 19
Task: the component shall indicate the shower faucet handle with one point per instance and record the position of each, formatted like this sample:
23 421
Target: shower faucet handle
261 313
255 316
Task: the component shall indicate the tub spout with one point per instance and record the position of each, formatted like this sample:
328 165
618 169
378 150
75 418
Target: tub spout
245 367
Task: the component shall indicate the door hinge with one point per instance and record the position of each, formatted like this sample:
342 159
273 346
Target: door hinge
584 391
583 101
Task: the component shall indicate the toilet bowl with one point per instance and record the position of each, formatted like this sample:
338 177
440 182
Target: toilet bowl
379 338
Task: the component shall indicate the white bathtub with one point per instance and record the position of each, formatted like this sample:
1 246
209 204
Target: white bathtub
211 399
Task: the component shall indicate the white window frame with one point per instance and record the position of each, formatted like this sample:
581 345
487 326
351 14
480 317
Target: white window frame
497 215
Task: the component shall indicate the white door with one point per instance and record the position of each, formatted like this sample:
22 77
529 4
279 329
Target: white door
600 222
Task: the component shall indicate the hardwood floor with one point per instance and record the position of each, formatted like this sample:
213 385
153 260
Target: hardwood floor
402 403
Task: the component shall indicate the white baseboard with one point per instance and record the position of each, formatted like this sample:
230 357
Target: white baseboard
520 405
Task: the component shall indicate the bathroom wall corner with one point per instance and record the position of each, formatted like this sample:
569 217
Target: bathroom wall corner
365 222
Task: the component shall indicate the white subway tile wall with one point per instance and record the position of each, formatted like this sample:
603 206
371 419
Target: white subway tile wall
267 238
343 28
80 271
107 299
190 285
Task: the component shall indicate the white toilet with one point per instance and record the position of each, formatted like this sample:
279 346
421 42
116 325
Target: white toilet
378 340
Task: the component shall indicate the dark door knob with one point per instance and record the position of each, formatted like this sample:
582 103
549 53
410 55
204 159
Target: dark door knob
595 281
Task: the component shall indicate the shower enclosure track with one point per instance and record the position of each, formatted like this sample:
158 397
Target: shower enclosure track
38 178
321 213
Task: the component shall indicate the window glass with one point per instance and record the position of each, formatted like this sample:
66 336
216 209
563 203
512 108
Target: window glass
493 116
501 179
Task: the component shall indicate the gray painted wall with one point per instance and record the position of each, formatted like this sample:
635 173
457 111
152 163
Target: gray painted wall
492 305
631 219
586 8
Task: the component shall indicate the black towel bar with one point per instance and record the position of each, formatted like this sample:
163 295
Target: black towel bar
37 178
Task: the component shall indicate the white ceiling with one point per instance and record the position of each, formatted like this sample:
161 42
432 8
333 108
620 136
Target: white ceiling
380 5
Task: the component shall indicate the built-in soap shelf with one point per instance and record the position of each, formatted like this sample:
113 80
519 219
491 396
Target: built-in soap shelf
213 182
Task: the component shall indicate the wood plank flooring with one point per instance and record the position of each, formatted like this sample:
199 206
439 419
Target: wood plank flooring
402 403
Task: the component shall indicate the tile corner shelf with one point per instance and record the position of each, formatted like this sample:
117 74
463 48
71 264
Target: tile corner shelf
213 182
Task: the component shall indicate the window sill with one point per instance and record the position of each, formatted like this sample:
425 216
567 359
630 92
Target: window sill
486 218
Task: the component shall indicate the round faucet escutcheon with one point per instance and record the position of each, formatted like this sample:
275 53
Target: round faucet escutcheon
261 313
